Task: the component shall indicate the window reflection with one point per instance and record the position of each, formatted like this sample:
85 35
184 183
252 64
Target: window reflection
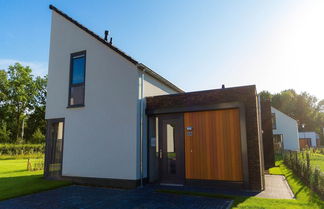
171 154
56 137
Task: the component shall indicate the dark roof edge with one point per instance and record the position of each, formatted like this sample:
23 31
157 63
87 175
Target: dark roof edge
123 54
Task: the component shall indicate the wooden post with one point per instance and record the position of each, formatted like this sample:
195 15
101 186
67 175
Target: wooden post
28 164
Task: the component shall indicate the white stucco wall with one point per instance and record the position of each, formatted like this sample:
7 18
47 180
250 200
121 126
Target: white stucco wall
101 139
152 87
288 127
312 135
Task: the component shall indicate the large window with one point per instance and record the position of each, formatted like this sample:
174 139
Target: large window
77 79
54 147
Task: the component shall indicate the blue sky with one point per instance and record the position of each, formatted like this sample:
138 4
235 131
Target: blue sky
196 45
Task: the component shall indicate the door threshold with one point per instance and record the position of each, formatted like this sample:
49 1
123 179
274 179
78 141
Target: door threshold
176 185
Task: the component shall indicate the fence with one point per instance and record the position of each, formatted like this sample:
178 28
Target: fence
300 163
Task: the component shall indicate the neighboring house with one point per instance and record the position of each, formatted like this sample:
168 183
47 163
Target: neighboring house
112 121
309 139
285 131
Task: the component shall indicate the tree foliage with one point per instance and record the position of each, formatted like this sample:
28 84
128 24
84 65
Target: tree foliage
22 100
305 108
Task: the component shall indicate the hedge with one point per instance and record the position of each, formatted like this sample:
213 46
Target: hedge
300 164
21 149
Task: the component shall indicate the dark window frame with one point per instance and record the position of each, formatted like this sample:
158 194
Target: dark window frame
49 147
72 56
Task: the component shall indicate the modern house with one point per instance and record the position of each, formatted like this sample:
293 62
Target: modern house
309 139
285 131
113 121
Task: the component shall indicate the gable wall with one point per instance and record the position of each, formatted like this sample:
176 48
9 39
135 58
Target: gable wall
100 138
288 128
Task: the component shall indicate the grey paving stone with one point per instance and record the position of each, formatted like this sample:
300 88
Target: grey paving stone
83 197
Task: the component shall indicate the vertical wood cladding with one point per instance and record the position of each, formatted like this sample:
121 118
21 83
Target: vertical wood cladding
245 95
213 150
267 134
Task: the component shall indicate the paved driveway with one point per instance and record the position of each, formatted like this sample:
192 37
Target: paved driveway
82 197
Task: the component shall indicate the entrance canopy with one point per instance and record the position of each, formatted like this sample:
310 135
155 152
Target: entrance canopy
207 137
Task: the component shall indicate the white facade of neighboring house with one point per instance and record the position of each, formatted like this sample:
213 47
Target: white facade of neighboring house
287 127
313 136
111 114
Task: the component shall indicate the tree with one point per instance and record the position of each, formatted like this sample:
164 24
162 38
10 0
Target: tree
305 108
38 137
4 133
36 119
265 95
22 99
20 95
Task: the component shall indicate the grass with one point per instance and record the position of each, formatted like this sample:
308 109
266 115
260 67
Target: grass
16 181
305 198
317 160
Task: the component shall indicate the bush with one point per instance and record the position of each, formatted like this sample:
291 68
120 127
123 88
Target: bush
21 149
38 137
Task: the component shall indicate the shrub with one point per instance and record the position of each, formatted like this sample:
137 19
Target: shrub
21 149
301 166
38 137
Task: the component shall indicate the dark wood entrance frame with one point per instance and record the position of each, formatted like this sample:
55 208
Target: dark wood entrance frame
220 106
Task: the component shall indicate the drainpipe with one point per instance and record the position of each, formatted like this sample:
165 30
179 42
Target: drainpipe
141 124
261 141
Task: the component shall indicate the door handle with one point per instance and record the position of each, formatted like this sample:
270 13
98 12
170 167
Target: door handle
160 153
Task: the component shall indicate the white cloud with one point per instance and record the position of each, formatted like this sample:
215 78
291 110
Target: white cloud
39 68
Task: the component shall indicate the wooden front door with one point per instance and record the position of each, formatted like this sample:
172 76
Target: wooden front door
171 153
213 145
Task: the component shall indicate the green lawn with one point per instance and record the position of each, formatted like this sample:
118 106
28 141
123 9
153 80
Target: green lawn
304 197
15 180
317 160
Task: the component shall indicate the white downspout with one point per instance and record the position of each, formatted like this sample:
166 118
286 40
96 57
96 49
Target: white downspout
141 126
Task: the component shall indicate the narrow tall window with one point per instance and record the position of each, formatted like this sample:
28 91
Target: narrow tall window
77 79
274 123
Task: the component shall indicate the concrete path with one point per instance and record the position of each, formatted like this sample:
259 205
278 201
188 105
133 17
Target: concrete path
276 187
83 197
